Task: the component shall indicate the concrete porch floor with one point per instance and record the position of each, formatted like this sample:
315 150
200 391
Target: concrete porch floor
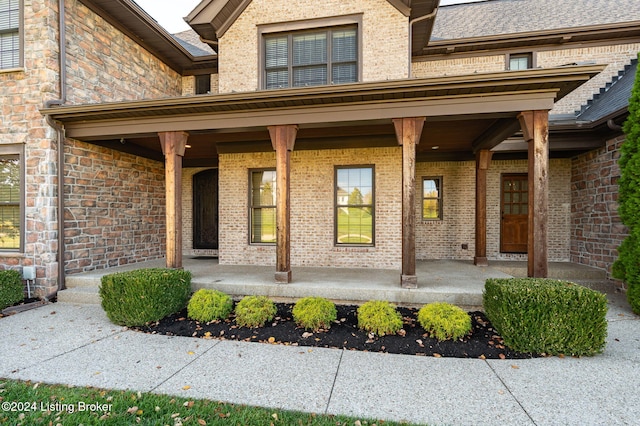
457 282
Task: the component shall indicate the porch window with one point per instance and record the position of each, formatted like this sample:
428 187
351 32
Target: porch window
10 56
432 198
10 203
311 58
354 205
520 61
263 206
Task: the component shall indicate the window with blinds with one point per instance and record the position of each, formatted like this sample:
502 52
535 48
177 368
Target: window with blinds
10 202
9 34
311 58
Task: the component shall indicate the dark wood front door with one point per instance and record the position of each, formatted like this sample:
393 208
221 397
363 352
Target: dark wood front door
205 210
514 213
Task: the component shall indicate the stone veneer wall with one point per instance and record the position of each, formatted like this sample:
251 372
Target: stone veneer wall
105 65
443 239
596 230
114 208
312 209
384 49
24 91
615 56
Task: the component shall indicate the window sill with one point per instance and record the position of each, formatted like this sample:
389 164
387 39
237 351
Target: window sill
10 70
11 254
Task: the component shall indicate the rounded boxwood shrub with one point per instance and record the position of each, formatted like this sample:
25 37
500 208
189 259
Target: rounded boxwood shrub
255 311
134 298
379 317
547 316
444 321
208 305
11 288
314 313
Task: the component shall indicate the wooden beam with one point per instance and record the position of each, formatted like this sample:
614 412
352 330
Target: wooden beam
408 132
501 130
283 139
173 147
535 128
483 161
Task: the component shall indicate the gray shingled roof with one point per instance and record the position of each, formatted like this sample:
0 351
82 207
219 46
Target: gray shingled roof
190 40
613 98
493 17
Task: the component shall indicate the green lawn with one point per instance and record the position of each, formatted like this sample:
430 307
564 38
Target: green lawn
26 403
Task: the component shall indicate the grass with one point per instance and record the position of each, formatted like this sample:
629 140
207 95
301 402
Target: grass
36 403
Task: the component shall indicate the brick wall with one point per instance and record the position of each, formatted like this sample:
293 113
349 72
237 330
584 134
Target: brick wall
312 209
384 38
443 239
596 230
114 208
105 65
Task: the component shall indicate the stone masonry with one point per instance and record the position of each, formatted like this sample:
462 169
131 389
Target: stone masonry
596 230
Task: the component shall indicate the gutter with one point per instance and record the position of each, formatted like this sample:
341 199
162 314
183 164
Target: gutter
411 23
60 132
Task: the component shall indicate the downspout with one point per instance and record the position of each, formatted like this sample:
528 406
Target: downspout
62 60
411 23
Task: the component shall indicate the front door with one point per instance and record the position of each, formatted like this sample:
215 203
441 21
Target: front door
205 210
514 213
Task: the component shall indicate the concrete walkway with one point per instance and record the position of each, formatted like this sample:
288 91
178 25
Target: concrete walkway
77 345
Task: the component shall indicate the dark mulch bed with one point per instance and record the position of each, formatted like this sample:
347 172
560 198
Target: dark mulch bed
483 342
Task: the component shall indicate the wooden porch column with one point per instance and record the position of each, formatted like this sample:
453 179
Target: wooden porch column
283 138
483 161
173 146
408 132
535 128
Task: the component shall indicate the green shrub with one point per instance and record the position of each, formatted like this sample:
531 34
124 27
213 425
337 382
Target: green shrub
314 313
627 266
444 321
255 311
379 317
547 316
134 298
208 305
11 288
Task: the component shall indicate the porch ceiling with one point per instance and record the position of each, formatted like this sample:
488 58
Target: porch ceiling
464 113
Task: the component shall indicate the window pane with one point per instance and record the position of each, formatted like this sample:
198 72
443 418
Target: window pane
276 52
277 79
430 209
520 62
263 225
344 46
430 188
344 73
10 202
355 225
310 49
310 76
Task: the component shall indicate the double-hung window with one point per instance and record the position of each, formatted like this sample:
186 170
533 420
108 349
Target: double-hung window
10 200
354 205
262 206
10 34
311 58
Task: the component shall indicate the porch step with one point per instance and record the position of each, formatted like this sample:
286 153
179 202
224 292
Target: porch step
81 295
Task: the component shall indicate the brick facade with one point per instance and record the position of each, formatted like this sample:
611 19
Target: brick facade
312 209
114 208
596 229
384 38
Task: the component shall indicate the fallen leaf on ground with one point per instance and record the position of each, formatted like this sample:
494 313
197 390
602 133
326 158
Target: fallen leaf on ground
186 387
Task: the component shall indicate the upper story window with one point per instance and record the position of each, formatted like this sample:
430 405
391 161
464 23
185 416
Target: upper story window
520 61
203 84
311 58
9 34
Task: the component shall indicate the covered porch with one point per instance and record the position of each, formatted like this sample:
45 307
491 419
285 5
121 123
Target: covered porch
457 282
446 119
